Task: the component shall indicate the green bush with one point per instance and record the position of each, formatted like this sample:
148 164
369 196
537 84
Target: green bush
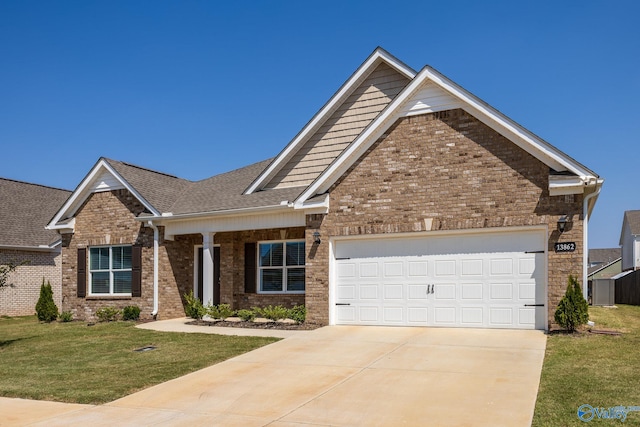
220 311
573 309
131 312
46 309
194 308
66 316
298 313
246 315
272 312
107 314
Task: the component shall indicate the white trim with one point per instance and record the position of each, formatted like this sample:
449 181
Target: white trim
562 185
480 110
55 247
284 267
378 56
196 267
83 191
110 270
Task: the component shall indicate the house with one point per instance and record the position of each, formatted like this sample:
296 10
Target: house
604 263
630 240
25 210
405 200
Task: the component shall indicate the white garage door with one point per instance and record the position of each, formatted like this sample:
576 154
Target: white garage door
492 280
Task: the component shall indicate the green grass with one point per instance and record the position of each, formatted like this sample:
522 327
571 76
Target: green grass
73 362
599 370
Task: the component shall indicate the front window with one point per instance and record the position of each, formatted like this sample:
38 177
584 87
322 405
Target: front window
281 266
110 270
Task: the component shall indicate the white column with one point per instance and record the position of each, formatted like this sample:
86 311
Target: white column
207 268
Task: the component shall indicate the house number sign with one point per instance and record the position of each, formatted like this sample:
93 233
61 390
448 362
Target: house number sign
565 247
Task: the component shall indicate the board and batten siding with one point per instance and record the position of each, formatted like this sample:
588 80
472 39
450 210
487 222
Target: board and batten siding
346 123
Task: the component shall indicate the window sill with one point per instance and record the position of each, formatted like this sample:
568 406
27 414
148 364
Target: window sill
108 297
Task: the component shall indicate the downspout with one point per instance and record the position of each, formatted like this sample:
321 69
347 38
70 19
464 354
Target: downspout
156 238
585 230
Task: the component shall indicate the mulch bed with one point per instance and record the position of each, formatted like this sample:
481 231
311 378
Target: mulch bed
254 325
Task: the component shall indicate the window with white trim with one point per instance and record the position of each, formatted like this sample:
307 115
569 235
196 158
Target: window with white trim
110 270
281 266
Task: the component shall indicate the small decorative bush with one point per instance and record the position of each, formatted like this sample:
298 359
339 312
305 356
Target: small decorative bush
107 314
298 313
573 309
273 312
46 309
220 311
131 312
246 315
194 307
66 316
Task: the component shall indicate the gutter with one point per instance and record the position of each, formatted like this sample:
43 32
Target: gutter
40 248
156 237
597 183
226 212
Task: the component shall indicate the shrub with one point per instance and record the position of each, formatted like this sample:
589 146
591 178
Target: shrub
194 307
573 309
107 314
46 309
298 313
220 311
66 316
246 315
274 312
131 312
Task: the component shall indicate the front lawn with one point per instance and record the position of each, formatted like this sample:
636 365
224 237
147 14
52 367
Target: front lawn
587 369
73 362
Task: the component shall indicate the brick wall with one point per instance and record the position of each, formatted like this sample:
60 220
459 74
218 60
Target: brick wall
456 172
21 294
108 218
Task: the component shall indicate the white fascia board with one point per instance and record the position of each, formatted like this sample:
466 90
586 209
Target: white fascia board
159 219
319 206
479 109
82 192
532 144
561 185
39 248
379 55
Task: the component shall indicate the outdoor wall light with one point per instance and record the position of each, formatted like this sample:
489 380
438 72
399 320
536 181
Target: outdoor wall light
562 223
316 237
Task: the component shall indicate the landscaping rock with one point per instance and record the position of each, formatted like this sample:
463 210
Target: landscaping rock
262 320
233 319
287 321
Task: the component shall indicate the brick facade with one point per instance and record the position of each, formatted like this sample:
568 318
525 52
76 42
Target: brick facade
108 218
21 294
457 173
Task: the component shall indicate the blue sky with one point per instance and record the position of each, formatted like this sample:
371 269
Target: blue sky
195 88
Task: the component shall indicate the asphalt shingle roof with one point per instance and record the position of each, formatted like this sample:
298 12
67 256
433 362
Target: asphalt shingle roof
168 193
159 189
633 219
224 191
25 209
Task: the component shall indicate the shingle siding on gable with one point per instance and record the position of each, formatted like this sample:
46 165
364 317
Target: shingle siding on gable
451 168
346 123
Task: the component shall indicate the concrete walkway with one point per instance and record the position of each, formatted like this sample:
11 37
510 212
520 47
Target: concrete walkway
343 376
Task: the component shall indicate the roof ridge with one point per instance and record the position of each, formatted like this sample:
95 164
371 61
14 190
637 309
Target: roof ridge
145 169
35 184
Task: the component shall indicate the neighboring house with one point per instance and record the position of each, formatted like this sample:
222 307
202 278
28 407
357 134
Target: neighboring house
630 240
604 263
25 210
405 200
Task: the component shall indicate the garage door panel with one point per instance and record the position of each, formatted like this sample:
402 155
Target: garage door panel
445 316
472 291
472 316
442 281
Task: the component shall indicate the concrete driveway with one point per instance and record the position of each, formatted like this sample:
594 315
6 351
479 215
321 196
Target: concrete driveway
344 376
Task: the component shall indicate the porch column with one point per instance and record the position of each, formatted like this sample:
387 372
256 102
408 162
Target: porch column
207 268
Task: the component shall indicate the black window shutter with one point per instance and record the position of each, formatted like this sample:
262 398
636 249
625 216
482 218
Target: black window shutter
250 268
136 271
82 273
